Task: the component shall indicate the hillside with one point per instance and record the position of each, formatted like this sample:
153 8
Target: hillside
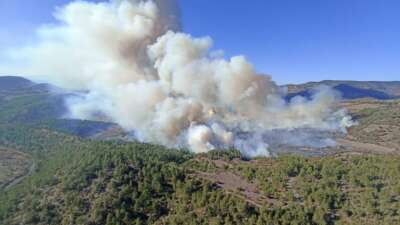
10 83
351 89
378 122
14 165
61 173
28 103
88 182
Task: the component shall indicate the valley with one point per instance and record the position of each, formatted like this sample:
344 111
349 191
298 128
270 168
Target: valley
85 172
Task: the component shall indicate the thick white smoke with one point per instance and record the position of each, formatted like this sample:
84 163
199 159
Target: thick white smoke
135 69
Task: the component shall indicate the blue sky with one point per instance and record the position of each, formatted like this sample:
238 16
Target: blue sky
294 41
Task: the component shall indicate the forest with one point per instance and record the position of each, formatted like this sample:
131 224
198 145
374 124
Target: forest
78 180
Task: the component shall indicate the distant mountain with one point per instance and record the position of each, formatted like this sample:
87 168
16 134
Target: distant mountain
381 90
12 85
25 102
8 83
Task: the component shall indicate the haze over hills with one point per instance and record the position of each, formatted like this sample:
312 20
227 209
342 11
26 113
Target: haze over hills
348 89
13 83
26 102
40 102
352 89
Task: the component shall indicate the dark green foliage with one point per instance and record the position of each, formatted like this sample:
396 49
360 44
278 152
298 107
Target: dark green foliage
86 182
331 190
92 182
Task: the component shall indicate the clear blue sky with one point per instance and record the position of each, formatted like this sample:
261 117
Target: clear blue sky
293 40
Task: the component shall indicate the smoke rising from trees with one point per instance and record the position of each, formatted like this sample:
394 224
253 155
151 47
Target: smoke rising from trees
133 67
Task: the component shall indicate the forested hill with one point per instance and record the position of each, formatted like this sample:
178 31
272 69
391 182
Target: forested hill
79 181
28 103
71 180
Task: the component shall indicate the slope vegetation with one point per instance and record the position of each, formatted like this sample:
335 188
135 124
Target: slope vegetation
79 181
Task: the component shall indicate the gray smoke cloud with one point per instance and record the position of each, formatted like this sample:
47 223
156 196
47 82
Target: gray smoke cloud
133 67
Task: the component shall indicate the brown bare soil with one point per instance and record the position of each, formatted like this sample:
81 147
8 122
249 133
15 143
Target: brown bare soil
235 184
378 128
13 166
358 147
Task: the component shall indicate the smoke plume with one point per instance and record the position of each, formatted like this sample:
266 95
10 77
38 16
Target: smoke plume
132 66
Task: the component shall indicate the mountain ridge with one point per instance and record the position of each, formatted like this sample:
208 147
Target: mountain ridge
358 89
349 89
